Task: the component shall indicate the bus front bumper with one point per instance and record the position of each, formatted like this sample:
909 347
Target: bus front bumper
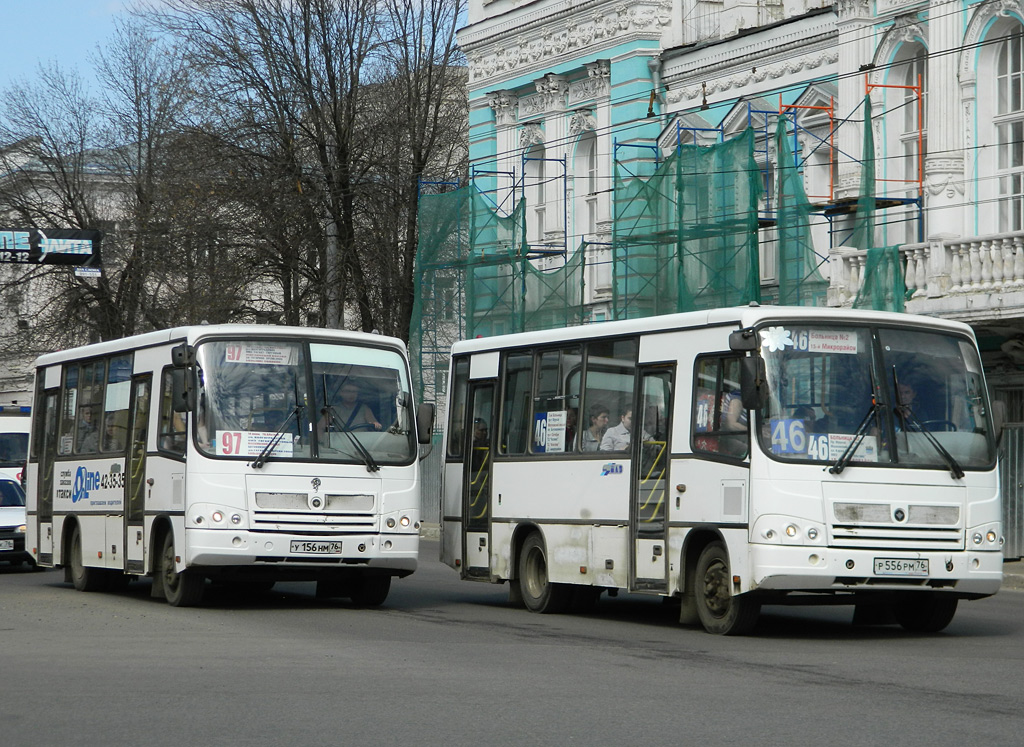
801 568
215 547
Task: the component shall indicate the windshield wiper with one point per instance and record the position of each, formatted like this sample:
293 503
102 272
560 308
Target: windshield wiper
906 415
264 455
332 418
858 436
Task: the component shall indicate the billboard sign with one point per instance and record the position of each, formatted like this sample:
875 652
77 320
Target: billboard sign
57 246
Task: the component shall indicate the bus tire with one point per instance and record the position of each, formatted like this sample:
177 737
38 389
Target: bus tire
720 612
370 591
540 595
83 577
920 613
183 589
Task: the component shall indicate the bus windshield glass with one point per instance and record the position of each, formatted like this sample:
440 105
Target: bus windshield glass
886 396
285 400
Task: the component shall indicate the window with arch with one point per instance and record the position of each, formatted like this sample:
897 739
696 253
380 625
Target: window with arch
536 188
906 139
1009 123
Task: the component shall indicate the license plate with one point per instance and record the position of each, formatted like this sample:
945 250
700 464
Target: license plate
6 544
316 548
901 567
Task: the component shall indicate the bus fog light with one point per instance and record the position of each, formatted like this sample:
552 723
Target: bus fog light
791 531
977 538
975 563
236 519
813 559
387 544
850 564
812 533
391 523
404 521
236 541
218 517
991 536
362 548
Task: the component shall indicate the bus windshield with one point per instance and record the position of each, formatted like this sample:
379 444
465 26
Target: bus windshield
285 400
888 396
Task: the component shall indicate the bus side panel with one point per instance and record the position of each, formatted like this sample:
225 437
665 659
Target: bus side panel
715 493
451 514
595 491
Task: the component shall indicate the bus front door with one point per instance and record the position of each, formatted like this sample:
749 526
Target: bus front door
650 476
476 482
46 447
135 482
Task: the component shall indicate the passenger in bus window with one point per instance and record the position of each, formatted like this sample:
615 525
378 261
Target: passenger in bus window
616 438
598 425
113 434
86 425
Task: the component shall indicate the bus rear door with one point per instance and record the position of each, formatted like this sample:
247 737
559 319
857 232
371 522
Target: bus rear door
477 482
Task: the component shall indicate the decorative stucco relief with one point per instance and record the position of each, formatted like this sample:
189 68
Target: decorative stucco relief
576 32
978 26
581 121
531 134
944 175
751 76
504 105
596 85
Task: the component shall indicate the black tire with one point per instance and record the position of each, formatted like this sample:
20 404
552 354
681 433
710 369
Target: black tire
370 591
539 595
719 611
925 613
83 577
183 589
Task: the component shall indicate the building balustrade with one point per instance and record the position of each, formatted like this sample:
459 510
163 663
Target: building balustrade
945 277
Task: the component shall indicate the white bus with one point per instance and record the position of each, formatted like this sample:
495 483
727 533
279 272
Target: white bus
232 453
774 456
14 427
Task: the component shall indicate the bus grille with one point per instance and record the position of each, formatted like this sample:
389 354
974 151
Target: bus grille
874 525
294 513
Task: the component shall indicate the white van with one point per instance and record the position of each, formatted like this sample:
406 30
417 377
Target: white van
14 422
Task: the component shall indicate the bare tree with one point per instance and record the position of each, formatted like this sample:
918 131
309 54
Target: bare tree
283 83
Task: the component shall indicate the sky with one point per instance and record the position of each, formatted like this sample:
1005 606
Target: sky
65 31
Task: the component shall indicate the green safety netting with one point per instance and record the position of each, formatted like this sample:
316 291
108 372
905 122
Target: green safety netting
883 287
800 282
685 237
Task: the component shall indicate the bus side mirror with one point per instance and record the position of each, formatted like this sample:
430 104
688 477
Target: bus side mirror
182 395
743 340
183 355
424 422
753 389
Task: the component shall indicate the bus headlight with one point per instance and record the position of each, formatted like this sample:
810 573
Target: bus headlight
217 517
21 529
991 536
787 530
404 521
977 538
390 523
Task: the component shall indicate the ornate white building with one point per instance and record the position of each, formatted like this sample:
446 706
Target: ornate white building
558 89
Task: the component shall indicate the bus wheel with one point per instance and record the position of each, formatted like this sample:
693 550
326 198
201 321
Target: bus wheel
83 577
370 591
539 595
720 612
925 613
183 589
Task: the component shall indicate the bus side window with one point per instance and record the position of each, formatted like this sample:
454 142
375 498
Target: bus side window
516 410
719 422
457 413
172 424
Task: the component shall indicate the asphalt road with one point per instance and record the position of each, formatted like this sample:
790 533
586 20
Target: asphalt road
449 662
